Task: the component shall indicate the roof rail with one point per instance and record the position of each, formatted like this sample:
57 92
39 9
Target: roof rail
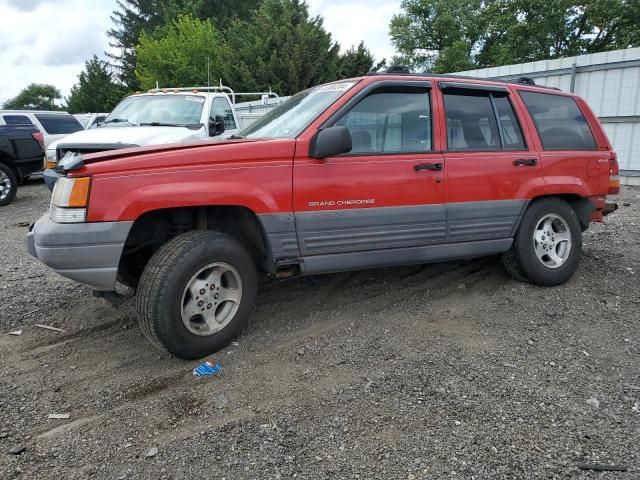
392 70
402 70
216 88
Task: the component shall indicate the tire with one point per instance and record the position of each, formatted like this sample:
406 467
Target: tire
8 185
163 293
527 263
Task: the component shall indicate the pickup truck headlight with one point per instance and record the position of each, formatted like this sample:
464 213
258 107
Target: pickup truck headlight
69 199
51 159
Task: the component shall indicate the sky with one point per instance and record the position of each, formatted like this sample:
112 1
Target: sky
48 41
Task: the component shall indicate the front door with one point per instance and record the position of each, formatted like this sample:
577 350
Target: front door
491 165
385 196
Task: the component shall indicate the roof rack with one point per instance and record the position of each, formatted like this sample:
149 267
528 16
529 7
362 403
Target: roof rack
217 88
403 70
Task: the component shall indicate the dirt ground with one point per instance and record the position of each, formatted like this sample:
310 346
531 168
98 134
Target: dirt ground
449 370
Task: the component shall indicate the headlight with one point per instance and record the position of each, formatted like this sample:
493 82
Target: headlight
51 159
69 199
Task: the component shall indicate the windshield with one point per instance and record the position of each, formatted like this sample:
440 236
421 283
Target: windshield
293 116
159 109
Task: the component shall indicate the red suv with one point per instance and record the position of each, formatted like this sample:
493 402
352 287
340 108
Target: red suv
376 171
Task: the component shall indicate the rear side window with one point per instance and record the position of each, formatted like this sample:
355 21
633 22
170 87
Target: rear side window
396 120
58 124
478 120
560 123
17 120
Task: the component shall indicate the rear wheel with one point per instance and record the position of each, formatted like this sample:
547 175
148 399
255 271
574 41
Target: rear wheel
197 293
8 185
548 245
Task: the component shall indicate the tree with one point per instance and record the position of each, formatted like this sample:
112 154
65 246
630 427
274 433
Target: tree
176 55
282 47
427 28
453 35
96 90
530 30
223 12
129 19
357 61
36 96
132 17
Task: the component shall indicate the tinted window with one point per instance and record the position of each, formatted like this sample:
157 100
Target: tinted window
560 123
471 121
221 107
57 124
511 132
396 121
17 120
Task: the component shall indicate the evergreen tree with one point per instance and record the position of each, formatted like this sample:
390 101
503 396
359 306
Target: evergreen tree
282 48
96 90
132 17
357 61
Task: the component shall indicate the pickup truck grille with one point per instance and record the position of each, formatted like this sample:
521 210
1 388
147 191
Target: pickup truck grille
62 150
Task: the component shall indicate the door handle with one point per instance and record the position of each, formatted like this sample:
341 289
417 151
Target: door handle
529 162
427 166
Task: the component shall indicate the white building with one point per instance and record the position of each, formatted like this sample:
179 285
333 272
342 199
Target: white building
608 81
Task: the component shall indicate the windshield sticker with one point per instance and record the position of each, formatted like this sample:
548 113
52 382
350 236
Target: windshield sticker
336 87
195 99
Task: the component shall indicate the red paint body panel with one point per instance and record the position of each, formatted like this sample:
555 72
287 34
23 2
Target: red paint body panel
387 181
256 175
263 176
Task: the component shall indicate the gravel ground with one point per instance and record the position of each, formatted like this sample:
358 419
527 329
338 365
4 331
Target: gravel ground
449 370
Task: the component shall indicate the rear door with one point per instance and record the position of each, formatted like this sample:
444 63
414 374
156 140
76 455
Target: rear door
571 157
491 163
386 195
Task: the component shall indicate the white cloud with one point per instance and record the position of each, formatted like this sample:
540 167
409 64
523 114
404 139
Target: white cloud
48 41
351 22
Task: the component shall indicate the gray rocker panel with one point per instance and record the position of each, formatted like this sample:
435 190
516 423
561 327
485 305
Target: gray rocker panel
402 256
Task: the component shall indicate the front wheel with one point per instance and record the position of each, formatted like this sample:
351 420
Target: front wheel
548 245
197 293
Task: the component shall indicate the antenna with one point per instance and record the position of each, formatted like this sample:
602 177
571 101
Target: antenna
157 86
208 71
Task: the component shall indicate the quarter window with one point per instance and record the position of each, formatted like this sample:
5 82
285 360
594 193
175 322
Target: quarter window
391 120
478 120
220 107
17 120
560 123
509 126
58 124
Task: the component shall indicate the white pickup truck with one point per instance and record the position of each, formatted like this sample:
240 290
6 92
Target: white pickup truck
160 116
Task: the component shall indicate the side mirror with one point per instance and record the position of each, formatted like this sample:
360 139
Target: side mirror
330 141
216 125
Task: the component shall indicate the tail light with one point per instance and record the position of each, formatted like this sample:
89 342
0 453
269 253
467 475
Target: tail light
39 137
614 175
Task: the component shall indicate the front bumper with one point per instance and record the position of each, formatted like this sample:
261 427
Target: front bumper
88 253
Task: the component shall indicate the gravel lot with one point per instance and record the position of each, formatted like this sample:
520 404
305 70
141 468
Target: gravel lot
449 370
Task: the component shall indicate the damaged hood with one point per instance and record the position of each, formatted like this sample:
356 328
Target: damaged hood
129 136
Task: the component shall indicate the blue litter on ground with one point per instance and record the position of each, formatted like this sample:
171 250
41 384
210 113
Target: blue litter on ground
207 368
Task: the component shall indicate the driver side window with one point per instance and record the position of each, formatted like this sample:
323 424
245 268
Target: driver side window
221 107
390 120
